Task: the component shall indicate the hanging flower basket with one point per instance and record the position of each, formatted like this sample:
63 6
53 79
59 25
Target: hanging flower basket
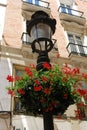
48 91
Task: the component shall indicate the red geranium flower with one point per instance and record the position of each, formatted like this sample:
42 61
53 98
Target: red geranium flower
50 108
44 78
37 88
76 70
10 78
85 97
66 70
32 65
47 90
84 75
82 92
59 117
70 71
21 91
11 92
81 104
28 71
46 65
78 114
36 81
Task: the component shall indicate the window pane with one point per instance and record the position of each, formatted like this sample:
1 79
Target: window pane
69 9
19 72
30 1
63 8
84 86
17 104
33 1
66 9
71 38
80 46
78 40
37 2
72 47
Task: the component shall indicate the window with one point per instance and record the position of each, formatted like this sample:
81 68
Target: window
65 8
76 45
84 86
33 1
38 2
17 108
83 109
26 39
70 9
44 3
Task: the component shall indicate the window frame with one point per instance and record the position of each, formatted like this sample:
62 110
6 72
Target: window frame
66 8
83 109
15 99
76 45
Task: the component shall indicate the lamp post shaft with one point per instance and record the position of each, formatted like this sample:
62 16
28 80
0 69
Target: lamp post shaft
47 116
48 121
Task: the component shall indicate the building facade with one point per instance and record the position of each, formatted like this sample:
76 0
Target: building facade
70 41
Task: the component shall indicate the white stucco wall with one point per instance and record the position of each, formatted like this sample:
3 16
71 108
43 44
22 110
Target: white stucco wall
5 99
2 16
27 122
5 69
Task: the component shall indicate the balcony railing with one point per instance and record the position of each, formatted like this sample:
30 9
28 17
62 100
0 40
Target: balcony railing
71 15
27 40
70 11
77 49
31 6
38 3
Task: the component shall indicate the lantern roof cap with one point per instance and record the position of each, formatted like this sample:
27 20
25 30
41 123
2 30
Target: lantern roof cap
41 17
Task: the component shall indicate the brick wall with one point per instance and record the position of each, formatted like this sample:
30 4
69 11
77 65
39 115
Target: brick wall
13 23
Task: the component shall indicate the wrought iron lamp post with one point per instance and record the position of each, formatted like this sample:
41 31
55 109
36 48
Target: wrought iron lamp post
41 28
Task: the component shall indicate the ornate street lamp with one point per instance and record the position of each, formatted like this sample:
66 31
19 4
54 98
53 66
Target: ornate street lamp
41 28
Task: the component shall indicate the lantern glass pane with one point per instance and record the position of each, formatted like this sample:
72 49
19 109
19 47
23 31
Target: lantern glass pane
41 30
42 45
